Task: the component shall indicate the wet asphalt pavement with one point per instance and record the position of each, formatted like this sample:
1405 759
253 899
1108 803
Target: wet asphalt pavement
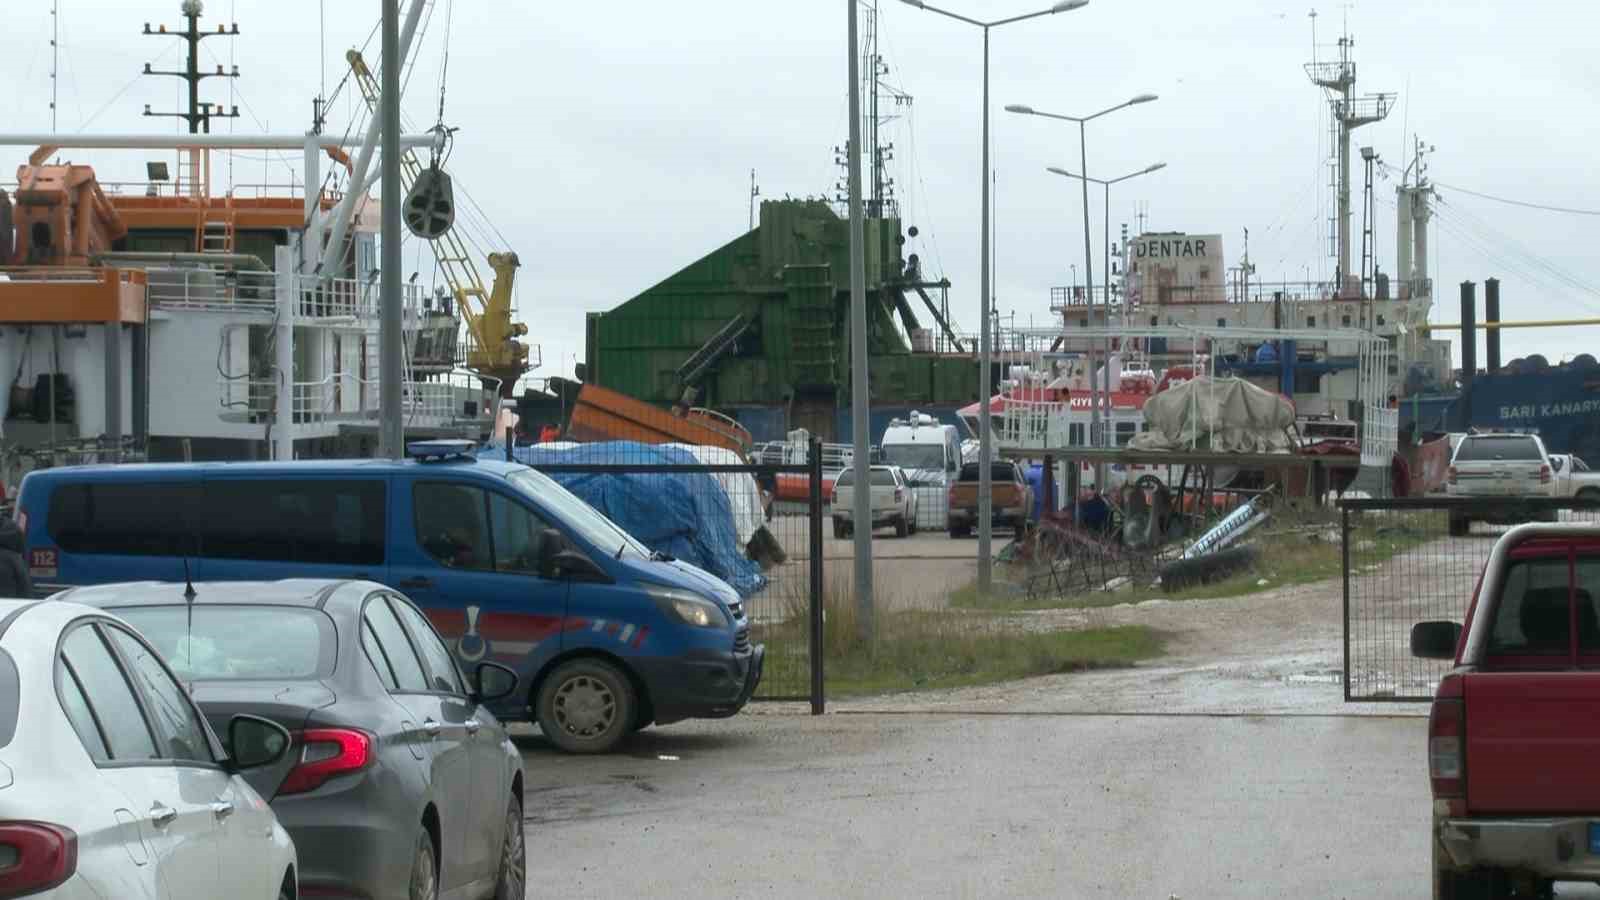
885 805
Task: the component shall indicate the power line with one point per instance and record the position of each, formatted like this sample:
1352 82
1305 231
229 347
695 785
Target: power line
1523 203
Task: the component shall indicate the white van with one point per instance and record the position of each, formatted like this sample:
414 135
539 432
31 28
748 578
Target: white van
929 452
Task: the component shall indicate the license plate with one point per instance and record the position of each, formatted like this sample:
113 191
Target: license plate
1594 838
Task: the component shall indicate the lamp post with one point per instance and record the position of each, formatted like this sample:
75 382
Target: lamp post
1106 183
1096 432
985 349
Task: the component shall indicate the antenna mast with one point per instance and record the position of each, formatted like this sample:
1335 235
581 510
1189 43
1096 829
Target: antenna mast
55 54
755 191
1350 112
200 114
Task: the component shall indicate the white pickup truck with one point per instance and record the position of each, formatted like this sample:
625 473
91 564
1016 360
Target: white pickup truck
1574 478
893 501
1502 467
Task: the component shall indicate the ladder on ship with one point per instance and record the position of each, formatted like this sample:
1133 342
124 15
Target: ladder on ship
215 227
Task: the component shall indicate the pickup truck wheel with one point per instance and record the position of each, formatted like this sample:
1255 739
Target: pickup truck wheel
1589 495
838 529
1460 526
960 531
901 529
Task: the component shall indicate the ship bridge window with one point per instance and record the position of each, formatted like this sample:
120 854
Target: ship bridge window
1125 432
1381 321
1222 323
1311 321
1345 321
1155 321
1075 434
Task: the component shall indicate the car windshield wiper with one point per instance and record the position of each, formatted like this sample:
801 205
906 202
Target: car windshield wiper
621 548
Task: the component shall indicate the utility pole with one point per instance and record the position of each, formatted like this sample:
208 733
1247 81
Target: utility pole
391 435
861 514
755 191
199 115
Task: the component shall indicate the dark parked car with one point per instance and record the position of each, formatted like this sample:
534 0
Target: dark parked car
399 783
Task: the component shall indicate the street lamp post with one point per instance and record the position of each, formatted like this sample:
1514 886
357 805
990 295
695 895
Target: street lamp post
1103 383
985 349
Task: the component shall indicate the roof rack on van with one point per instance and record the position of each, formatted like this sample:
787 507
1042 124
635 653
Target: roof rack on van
441 449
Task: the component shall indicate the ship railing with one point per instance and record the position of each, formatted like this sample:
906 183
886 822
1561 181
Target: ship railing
240 290
324 400
56 274
1033 424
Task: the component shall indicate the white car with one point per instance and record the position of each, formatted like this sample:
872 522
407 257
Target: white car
893 501
111 783
1574 478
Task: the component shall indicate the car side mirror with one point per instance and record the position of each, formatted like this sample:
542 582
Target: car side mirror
254 742
493 681
551 544
1435 640
575 566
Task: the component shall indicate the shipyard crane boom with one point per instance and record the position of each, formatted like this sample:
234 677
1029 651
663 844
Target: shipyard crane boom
492 346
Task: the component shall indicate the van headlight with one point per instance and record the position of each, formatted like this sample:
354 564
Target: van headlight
686 607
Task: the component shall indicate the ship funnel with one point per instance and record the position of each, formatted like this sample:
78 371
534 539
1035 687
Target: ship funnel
1491 324
1469 353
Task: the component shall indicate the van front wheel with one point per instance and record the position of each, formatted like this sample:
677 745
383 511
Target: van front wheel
586 706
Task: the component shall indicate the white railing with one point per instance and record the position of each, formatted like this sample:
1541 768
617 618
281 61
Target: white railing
1380 436
219 290
1033 424
321 401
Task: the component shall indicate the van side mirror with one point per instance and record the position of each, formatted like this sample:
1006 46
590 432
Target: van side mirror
1435 640
551 543
254 742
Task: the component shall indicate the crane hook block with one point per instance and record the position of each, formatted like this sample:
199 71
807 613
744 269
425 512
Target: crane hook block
430 207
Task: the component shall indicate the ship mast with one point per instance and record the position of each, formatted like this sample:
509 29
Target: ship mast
200 114
1338 80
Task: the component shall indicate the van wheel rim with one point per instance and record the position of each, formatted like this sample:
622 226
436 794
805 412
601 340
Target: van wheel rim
585 706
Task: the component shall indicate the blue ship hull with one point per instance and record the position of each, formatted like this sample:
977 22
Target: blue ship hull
1561 405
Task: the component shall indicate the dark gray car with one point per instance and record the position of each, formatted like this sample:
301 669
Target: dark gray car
400 782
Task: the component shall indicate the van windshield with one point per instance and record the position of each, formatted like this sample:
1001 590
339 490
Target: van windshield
583 518
915 456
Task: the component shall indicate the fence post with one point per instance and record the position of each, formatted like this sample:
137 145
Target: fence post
1344 545
814 517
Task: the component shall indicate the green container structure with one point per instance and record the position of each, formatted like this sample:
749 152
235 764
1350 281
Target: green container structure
763 322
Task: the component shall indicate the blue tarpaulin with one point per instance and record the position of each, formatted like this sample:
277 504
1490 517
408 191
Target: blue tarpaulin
687 515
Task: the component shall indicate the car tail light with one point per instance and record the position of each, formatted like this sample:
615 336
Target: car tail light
1447 739
1544 474
35 857
325 753
1451 474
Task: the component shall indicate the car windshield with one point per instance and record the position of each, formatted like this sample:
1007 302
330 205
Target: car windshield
236 642
566 507
997 472
915 456
879 477
1578 465
1498 447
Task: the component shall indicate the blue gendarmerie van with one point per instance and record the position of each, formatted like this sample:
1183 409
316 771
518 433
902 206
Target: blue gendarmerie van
607 636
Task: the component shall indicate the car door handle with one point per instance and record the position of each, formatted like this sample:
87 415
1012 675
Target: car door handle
414 583
222 809
431 728
162 816
473 725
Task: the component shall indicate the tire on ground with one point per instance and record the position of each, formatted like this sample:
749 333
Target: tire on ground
585 706
1205 569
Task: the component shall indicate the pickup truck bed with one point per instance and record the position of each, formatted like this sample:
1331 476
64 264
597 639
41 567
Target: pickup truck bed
1514 733
1010 505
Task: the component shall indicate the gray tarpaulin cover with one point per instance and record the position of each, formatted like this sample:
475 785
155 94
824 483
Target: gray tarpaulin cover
1228 415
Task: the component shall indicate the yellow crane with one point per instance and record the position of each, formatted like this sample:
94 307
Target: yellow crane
492 348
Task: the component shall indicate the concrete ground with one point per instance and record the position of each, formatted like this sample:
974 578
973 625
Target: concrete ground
1229 768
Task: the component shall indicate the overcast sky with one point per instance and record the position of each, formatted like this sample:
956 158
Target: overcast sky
612 144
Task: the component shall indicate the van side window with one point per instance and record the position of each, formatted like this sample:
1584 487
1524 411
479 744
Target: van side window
327 521
516 534
452 525
124 519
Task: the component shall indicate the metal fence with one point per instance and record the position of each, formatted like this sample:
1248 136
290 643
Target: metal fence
1409 560
708 507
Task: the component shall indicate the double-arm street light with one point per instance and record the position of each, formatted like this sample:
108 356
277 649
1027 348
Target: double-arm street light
1106 183
985 349
1097 436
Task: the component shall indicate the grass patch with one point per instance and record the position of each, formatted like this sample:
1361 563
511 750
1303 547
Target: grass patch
927 649
1292 553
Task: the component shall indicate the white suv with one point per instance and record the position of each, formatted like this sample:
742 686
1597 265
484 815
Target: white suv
1512 466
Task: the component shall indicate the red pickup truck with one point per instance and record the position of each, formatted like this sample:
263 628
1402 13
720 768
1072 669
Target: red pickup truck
1514 734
